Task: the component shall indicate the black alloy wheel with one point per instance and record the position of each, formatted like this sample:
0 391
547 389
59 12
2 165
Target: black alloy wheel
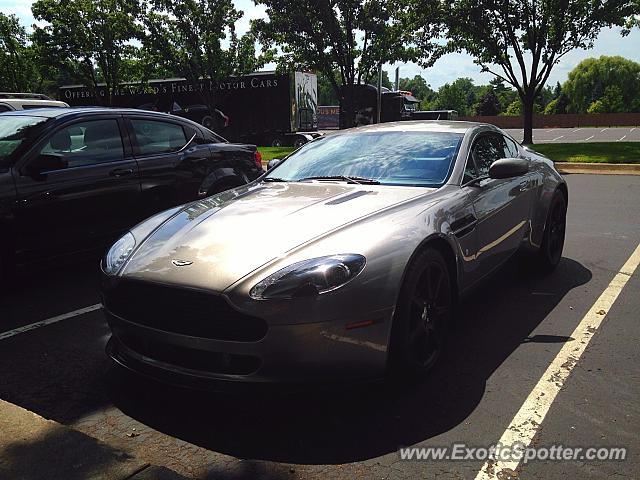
422 316
554 233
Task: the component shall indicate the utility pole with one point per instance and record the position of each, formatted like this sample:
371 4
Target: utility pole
397 79
379 92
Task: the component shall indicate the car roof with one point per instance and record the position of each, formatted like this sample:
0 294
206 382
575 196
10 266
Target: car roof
31 101
80 111
420 126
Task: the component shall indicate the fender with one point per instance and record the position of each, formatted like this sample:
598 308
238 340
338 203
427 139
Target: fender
219 177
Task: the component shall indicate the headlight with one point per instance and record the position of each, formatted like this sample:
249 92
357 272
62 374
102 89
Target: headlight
309 277
118 254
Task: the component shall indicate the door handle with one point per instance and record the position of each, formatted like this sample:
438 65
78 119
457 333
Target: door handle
121 172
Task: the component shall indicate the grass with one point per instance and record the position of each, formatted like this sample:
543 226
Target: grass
274 152
597 152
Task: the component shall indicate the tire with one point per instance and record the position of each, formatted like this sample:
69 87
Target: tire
550 253
224 186
207 122
276 142
298 142
422 317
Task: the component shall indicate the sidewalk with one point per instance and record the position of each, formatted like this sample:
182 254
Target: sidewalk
34 448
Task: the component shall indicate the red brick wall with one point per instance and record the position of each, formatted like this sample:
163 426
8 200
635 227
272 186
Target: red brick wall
567 120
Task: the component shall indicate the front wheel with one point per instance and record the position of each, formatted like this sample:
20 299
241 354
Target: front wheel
422 316
554 233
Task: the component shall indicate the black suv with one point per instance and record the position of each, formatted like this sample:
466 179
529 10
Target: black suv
75 179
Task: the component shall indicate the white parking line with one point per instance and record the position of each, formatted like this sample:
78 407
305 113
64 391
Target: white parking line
603 130
576 130
557 138
631 131
623 137
527 422
49 321
587 139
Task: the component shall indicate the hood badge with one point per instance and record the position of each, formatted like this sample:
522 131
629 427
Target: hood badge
181 263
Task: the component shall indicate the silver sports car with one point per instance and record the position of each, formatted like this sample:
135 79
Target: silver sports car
342 262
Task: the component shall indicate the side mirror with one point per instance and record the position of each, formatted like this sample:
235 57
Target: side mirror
45 163
273 162
508 168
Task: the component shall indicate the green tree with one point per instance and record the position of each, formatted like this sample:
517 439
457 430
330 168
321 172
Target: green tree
326 93
420 89
372 79
92 36
17 63
588 81
347 36
459 96
488 105
520 41
611 102
197 40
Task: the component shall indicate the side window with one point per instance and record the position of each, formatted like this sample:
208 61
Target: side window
5 108
210 137
469 171
154 137
512 149
486 150
85 143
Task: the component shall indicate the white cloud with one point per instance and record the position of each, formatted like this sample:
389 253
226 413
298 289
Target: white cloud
452 66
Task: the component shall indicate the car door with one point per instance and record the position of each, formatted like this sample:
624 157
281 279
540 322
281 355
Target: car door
78 189
501 205
170 170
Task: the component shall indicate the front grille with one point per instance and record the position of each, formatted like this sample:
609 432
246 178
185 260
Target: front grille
210 362
183 311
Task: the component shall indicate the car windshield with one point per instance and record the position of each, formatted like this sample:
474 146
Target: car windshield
14 130
390 158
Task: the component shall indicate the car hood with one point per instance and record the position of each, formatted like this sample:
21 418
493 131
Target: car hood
217 241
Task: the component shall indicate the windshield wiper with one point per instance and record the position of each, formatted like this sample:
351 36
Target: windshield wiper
274 179
358 180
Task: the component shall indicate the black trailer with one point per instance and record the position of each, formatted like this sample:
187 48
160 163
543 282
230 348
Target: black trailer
263 108
395 105
434 115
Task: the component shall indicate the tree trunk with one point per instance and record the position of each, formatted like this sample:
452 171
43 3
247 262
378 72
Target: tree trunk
527 107
347 108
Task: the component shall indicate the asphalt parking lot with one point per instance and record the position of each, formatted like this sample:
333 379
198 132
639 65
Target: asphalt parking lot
507 335
579 135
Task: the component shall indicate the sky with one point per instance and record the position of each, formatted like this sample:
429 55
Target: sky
448 68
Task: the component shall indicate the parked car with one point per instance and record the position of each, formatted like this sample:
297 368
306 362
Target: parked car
10 102
371 235
73 179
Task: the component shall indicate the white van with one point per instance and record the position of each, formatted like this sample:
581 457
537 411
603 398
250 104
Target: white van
25 101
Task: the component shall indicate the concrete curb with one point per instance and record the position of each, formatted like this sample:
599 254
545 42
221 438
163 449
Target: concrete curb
34 448
599 168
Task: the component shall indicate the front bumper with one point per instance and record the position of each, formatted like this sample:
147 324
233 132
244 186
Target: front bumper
288 353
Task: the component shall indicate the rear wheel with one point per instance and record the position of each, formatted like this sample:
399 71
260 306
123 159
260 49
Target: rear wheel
207 121
299 141
422 316
550 251
223 186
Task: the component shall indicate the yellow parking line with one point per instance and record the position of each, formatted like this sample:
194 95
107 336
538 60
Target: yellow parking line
529 418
